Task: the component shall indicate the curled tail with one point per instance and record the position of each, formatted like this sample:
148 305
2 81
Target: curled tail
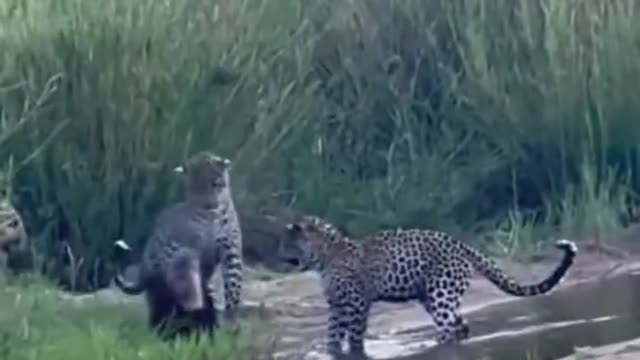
487 267
122 249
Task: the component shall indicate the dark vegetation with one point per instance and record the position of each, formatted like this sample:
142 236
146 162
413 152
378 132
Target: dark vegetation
514 120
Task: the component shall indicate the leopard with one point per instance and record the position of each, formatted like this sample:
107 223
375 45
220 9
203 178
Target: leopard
14 240
191 240
398 266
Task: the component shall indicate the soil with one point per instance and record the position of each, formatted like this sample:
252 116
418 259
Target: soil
401 330
593 306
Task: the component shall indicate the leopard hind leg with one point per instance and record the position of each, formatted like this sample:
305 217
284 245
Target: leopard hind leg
442 298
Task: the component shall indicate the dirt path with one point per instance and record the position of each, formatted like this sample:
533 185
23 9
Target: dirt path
399 330
595 305
626 350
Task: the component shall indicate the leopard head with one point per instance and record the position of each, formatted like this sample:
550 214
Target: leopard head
206 177
312 241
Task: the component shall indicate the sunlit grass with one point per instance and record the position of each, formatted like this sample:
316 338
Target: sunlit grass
36 323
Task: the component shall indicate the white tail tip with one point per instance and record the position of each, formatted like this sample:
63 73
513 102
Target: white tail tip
122 245
567 244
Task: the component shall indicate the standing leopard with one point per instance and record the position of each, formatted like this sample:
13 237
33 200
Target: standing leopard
399 266
189 242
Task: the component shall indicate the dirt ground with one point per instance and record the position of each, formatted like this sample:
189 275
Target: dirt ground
625 350
300 313
295 307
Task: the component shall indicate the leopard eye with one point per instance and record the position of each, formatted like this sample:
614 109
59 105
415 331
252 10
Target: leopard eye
14 223
294 227
218 182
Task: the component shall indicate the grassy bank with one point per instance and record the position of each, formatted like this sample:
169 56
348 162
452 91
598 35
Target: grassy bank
35 323
513 115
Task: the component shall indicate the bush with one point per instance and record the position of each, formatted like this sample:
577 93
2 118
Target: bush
372 113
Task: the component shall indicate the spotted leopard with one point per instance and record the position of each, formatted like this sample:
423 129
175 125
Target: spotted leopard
428 266
13 237
189 242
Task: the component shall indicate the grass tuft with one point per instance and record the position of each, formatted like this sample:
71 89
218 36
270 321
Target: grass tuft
36 323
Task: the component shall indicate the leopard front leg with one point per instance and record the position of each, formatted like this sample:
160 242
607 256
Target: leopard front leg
349 310
336 330
348 322
357 316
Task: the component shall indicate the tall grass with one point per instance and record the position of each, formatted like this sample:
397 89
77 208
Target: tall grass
370 112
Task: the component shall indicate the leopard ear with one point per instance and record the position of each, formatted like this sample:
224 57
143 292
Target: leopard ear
179 169
226 163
